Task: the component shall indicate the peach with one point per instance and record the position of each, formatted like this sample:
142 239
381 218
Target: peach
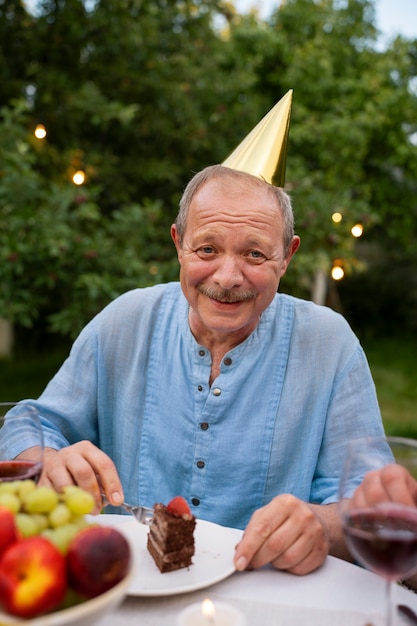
8 527
33 577
98 558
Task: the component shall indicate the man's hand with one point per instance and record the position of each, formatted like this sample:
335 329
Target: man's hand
391 482
289 534
83 464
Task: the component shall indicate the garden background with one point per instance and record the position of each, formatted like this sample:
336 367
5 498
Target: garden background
107 108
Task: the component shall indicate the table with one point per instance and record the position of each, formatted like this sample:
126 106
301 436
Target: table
338 594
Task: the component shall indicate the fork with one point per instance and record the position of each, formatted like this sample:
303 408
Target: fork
143 514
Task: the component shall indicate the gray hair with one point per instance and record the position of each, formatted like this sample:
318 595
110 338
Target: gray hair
219 171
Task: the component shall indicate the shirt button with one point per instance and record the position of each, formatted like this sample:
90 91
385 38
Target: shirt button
204 426
201 353
217 391
227 361
200 464
200 387
195 501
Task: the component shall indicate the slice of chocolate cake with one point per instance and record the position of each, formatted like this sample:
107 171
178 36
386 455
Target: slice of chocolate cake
171 535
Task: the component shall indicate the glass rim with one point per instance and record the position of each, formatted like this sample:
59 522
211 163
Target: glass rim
409 441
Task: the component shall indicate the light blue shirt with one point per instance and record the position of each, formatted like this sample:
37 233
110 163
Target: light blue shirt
274 421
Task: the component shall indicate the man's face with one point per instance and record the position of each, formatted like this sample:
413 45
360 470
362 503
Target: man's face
232 257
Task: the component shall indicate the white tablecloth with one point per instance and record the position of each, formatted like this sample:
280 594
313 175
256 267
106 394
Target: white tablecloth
338 594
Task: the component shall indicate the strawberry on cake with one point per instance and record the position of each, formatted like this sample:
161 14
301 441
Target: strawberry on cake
171 535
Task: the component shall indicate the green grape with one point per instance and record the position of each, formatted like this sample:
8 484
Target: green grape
69 488
80 522
61 537
60 515
48 533
79 501
42 511
72 598
25 487
10 501
10 486
27 524
42 520
41 500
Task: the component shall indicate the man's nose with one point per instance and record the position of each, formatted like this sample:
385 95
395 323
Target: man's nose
228 273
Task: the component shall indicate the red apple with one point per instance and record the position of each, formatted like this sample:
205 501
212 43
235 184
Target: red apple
98 558
8 529
33 577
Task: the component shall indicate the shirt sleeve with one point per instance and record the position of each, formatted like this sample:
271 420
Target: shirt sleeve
353 412
67 406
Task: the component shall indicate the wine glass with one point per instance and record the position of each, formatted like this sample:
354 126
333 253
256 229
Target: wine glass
381 536
21 442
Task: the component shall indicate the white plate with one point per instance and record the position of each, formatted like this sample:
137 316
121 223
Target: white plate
212 561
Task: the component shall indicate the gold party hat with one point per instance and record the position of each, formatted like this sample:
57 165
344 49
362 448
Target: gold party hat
263 152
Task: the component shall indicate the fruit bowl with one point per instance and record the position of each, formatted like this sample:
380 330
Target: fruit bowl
85 614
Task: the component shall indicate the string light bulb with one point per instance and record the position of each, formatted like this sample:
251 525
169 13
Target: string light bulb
79 178
40 131
337 217
357 230
337 272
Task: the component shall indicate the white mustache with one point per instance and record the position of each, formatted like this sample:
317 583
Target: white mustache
226 295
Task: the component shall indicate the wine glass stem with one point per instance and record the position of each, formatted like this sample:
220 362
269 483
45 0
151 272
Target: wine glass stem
388 603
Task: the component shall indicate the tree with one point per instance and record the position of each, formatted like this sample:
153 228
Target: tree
60 258
136 92
15 37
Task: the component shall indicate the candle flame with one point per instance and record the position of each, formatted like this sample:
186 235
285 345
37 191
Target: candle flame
208 610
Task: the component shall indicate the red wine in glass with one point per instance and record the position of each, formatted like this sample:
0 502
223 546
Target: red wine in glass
19 470
384 539
380 532
21 442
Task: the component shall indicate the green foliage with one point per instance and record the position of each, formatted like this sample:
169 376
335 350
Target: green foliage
143 90
60 257
392 364
28 371
382 301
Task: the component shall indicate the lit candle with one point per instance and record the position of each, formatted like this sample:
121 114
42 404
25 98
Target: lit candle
208 614
208 610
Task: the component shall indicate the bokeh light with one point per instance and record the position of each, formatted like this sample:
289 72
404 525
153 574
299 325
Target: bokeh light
357 230
337 272
40 131
78 178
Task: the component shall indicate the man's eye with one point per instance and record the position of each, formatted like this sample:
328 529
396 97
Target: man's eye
207 250
255 254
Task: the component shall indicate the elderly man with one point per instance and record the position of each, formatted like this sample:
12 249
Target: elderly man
218 388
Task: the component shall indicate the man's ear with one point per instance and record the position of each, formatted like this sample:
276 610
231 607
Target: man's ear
176 240
294 245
